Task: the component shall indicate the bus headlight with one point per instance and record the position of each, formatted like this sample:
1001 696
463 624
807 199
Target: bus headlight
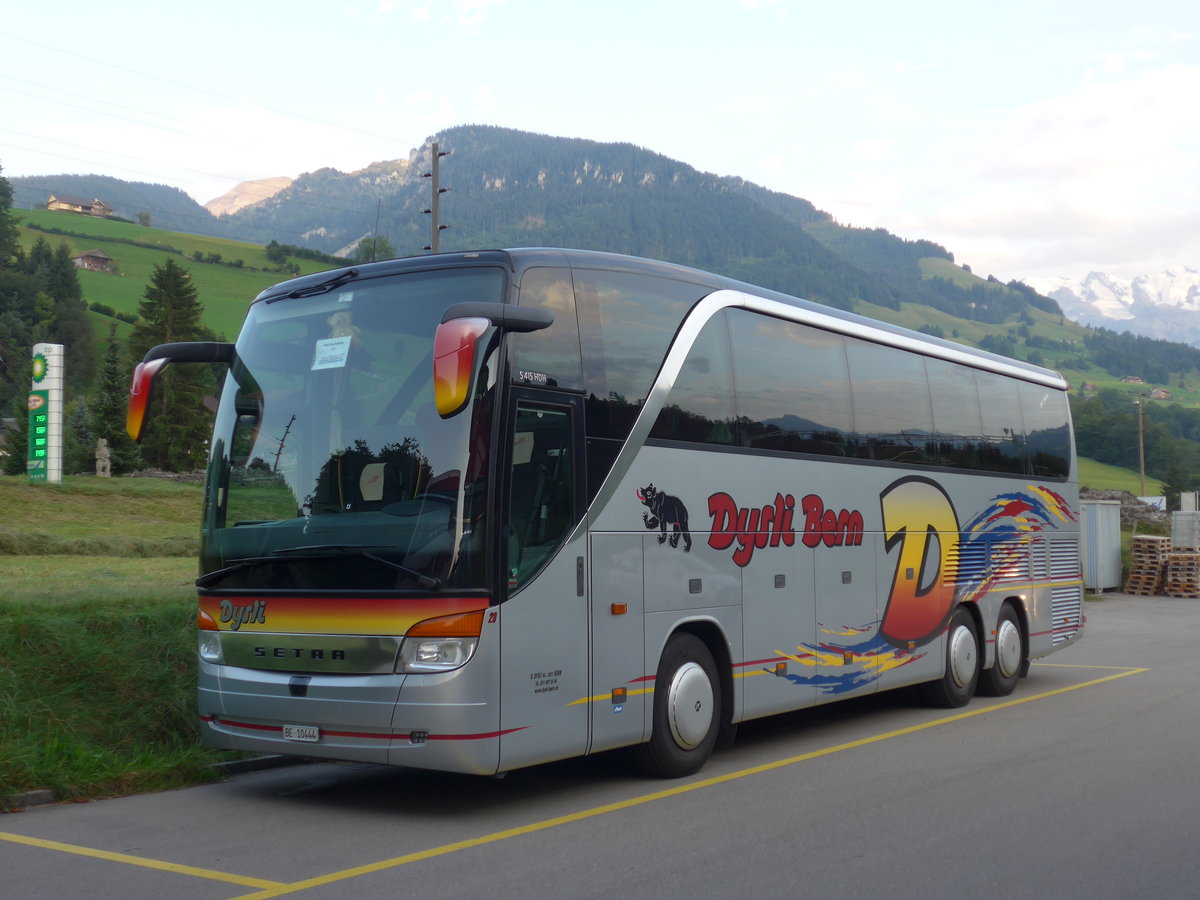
441 644
433 655
209 645
208 642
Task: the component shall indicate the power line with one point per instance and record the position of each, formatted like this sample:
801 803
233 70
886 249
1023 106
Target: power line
192 87
112 115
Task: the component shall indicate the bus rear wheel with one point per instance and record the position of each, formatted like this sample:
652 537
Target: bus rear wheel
1001 679
687 704
961 676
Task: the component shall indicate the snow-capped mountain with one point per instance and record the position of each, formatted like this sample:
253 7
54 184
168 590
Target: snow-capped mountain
1165 305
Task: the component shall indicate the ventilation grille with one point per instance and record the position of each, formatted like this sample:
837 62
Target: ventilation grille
967 563
1010 563
1064 560
1039 568
1066 604
1004 563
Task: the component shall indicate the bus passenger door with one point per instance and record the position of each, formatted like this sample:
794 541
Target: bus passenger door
544 622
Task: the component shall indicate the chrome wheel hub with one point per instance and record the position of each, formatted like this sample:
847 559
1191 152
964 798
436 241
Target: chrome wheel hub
690 705
963 653
1008 648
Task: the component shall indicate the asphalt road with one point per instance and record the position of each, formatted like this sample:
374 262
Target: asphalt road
1084 783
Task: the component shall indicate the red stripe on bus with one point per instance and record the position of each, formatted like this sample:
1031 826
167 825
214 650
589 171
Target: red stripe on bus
253 726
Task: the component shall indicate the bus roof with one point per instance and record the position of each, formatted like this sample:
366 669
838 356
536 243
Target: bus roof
517 260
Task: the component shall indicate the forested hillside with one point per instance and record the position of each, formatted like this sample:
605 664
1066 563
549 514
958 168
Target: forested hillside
511 188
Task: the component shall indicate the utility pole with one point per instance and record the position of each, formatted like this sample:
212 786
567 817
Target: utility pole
435 226
1141 402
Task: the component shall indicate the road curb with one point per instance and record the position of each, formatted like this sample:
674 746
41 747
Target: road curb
14 803
22 802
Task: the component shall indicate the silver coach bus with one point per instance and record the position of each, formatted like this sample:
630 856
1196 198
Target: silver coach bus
479 511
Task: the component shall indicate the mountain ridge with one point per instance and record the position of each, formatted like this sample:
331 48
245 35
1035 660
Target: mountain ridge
512 188
1158 305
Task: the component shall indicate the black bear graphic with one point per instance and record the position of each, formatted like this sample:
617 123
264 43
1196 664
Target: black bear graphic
666 510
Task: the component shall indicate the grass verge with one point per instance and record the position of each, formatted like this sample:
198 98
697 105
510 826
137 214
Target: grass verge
97 637
97 697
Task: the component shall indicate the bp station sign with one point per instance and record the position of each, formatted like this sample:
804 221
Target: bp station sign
44 460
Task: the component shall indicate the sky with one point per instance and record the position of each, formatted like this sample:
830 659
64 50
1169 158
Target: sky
1031 139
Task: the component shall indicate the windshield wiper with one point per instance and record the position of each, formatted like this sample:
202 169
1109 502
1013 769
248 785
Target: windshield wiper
321 287
319 551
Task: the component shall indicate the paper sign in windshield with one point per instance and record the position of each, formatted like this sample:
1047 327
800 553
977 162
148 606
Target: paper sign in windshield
331 353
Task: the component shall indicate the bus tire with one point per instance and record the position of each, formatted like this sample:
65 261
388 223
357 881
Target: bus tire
1001 679
687 710
961 676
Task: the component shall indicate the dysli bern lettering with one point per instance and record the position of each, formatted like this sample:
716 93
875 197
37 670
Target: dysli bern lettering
771 525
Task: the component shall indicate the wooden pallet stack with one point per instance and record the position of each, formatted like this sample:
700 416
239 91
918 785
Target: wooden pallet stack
1147 564
1183 574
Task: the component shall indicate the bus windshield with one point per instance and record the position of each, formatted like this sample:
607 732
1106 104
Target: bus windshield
330 468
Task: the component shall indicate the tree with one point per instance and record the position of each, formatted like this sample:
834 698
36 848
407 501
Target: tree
1175 482
79 439
108 409
373 248
170 311
39 259
71 325
17 438
9 242
143 218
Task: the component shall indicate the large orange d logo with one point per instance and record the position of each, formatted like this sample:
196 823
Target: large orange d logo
919 517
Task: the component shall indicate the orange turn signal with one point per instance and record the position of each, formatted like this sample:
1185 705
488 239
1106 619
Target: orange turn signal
459 625
205 622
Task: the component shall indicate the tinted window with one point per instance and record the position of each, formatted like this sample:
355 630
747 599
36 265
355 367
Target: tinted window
541 512
552 352
700 407
892 417
1002 447
626 323
1047 430
792 388
957 427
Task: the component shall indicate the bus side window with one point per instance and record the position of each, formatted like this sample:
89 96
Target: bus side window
540 510
1047 431
701 406
793 392
957 426
1003 444
893 418
552 353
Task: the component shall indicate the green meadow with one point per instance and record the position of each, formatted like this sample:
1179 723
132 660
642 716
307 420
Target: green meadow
225 290
97 637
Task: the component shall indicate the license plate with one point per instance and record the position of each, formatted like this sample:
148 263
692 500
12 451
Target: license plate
307 733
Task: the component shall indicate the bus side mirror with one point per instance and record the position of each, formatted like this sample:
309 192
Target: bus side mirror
453 363
454 345
139 396
153 363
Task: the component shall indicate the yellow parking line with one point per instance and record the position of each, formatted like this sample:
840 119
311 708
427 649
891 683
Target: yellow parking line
443 850
140 861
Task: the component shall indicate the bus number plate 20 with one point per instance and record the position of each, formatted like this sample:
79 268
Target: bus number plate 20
308 733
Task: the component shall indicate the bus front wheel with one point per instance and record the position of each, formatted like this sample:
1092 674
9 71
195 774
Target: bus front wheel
687 704
957 684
